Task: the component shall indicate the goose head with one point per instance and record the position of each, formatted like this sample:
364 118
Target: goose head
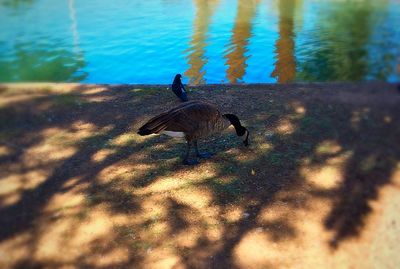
240 129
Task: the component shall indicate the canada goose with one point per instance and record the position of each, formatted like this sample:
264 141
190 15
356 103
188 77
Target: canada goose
193 120
178 88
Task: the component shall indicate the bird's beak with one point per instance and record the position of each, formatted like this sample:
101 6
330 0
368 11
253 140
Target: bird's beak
246 140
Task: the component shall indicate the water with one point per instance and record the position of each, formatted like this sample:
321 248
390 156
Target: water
214 41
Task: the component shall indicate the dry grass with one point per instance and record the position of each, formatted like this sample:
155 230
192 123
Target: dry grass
318 187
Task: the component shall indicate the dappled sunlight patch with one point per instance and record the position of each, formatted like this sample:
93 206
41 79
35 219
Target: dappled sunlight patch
4 151
96 95
357 116
57 145
196 197
13 185
387 119
84 129
33 178
70 199
395 178
110 257
55 135
54 153
98 99
327 175
153 208
121 171
124 139
294 221
248 155
136 90
298 107
15 249
175 179
381 236
254 251
96 139
98 224
9 198
233 213
160 147
102 154
169 221
53 243
162 259
224 180
264 147
93 91
159 228
141 139
277 220
105 129
10 183
166 184
188 237
340 160
200 215
139 92
214 231
8 100
285 127
328 147
72 182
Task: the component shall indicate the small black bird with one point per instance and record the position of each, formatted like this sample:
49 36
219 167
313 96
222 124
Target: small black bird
178 88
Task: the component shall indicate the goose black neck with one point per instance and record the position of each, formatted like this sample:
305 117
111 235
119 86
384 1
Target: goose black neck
234 120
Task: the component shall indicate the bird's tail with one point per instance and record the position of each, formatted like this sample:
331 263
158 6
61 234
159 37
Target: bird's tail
160 123
155 125
144 131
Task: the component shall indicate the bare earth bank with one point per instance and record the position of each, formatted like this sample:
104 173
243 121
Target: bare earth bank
319 186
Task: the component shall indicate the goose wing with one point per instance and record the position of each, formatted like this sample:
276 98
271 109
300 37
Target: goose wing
190 117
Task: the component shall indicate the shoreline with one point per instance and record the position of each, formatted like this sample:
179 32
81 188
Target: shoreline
224 85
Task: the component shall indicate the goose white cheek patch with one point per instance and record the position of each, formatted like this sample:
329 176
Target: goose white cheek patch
174 134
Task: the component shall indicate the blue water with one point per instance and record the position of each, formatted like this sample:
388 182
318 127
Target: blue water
214 41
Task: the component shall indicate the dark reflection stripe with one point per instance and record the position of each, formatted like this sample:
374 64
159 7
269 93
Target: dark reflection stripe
196 58
242 31
285 65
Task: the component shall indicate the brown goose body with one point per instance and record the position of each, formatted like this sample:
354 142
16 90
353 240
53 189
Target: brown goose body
193 120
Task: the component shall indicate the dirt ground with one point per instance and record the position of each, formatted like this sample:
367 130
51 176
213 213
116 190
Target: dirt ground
319 186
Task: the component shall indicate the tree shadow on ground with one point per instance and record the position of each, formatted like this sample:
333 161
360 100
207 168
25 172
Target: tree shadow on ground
152 207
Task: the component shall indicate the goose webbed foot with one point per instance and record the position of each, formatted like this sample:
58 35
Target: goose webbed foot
204 155
190 162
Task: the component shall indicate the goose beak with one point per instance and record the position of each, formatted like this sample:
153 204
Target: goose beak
246 140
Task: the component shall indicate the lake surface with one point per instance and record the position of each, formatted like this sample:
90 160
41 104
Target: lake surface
214 41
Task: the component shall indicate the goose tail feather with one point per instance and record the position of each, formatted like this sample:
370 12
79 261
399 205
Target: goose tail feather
155 125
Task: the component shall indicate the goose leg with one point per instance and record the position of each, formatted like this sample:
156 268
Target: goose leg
204 155
186 159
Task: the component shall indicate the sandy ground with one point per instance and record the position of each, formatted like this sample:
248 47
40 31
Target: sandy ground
319 186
